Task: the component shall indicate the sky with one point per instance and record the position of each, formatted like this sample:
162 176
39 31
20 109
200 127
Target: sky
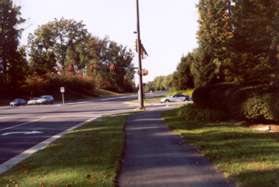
168 27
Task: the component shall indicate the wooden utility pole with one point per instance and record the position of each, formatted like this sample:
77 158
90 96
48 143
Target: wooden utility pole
141 94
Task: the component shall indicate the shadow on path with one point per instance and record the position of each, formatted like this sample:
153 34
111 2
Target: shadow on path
158 158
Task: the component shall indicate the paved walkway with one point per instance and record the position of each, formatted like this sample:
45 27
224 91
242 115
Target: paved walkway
155 157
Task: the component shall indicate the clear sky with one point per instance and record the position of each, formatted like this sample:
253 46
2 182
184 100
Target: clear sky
168 26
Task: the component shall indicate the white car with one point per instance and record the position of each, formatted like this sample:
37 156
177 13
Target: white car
176 98
33 101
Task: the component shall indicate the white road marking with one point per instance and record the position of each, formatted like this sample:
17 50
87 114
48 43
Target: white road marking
25 133
21 124
6 117
19 158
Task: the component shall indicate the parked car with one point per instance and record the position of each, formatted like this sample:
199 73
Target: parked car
17 102
176 98
46 99
33 101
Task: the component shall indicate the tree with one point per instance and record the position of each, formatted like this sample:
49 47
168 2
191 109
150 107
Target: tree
215 35
10 57
183 78
160 83
56 44
238 42
65 47
202 69
255 42
114 64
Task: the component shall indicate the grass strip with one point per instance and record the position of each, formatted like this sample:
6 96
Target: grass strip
88 156
249 158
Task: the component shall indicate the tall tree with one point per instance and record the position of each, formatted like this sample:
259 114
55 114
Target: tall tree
10 57
53 41
215 35
115 65
183 78
255 43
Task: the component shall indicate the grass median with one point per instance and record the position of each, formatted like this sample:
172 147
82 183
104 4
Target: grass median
88 156
249 158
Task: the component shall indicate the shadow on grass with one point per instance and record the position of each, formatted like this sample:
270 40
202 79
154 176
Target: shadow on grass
248 157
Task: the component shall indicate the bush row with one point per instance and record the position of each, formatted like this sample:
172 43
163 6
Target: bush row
193 113
36 85
246 102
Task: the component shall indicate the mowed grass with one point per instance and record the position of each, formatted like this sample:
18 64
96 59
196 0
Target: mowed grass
186 92
249 158
149 101
88 156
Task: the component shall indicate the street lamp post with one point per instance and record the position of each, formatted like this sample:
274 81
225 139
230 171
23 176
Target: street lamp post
141 95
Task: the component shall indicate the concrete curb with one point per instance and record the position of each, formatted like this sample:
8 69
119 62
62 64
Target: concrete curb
26 154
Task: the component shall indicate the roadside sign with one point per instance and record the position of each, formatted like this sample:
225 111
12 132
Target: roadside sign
144 72
62 89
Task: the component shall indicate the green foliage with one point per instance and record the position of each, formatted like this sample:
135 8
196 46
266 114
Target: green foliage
191 112
237 43
183 78
55 42
261 108
77 53
214 96
257 102
50 84
12 62
215 36
185 92
160 83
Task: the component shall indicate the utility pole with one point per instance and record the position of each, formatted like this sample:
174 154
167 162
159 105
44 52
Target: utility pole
229 4
141 95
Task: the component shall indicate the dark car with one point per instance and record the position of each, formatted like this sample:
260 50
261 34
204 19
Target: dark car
18 102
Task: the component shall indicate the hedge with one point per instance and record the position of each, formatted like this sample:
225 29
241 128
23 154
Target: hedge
191 112
245 102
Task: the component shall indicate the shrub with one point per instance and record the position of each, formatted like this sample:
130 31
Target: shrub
261 108
242 94
75 87
192 112
214 96
245 102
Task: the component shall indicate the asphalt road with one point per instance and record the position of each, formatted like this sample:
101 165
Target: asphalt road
24 127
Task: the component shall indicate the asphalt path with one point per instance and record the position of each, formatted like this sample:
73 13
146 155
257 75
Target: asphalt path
24 127
156 157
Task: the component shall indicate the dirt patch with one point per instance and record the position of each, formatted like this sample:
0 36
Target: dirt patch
265 127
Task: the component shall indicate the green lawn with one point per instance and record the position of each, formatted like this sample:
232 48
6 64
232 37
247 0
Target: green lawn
148 101
88 156
249 158
186 92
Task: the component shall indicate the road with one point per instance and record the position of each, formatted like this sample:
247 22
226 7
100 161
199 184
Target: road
24 127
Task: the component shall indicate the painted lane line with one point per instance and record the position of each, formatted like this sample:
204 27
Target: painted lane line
26 154
21 124
24 133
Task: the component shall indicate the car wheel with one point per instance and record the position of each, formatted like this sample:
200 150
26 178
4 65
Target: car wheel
167 101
